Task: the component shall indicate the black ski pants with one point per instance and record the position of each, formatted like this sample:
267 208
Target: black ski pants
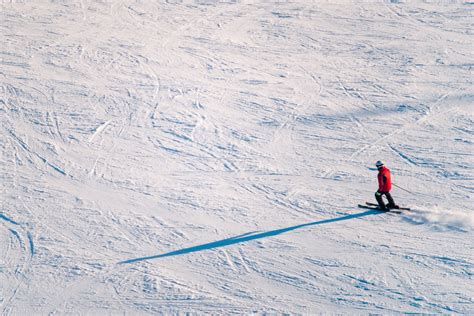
378 197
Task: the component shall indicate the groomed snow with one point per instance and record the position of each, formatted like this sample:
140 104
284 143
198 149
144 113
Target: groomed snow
204 157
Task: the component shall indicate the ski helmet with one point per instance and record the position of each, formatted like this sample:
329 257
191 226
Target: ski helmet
379 164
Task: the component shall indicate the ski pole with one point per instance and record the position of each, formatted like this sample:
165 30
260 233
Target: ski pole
403 189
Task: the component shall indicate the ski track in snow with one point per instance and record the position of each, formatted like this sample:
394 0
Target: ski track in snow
207 157
16 263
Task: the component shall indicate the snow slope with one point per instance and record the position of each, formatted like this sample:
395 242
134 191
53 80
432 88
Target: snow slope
208 157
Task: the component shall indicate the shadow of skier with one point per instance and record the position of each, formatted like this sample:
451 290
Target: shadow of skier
249 236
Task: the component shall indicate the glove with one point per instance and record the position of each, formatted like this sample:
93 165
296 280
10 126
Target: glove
378 193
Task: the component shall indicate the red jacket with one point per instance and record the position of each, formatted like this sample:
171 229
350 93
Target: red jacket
385 181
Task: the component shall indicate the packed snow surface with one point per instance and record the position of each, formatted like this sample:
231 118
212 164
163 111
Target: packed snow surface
209 157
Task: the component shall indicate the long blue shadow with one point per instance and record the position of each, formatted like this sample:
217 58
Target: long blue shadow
249 236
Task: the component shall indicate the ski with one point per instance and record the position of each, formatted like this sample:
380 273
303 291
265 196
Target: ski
400 208
376 208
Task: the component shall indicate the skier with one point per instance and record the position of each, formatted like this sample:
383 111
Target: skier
385 185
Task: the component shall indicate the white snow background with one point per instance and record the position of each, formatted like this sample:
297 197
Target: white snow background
204 157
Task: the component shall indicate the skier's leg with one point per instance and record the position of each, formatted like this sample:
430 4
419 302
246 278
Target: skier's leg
391 202
378 197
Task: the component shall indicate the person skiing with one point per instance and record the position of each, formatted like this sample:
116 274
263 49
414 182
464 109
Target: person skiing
385 185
